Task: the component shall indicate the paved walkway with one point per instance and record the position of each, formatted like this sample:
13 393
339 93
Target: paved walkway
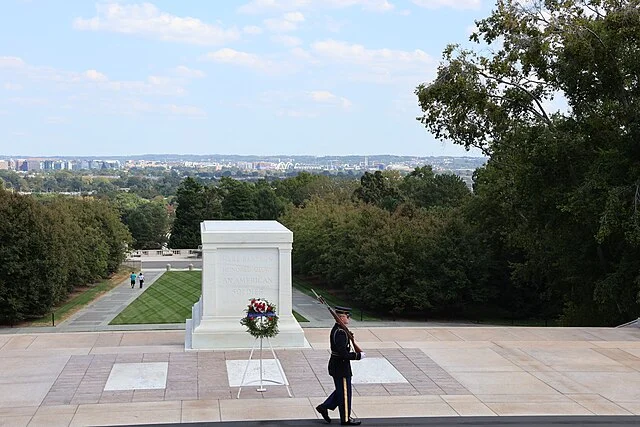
97 315
61 379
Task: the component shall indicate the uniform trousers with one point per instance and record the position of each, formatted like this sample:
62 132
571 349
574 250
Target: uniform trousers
340 398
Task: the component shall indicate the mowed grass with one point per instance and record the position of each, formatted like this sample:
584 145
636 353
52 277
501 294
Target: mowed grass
168 300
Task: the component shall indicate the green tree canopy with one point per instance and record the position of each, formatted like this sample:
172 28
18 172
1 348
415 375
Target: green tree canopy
562 186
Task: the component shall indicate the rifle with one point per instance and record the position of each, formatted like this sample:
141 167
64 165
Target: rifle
335 315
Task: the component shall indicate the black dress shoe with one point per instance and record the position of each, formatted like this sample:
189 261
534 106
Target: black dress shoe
351 422
324 412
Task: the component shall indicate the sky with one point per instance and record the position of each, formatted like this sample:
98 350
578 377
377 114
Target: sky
263 77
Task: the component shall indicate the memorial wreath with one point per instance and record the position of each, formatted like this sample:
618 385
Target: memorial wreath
261 319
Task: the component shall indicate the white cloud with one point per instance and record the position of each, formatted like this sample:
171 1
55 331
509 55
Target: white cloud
55 120
147 20
183 110
12 86
294 17
381 66
11 62
135 106
454 4
297 104
244 59
370 5
356 53
186 72
262 6
288 22
323 96
158 80
252 29
298 114
285 40
95 76
90 79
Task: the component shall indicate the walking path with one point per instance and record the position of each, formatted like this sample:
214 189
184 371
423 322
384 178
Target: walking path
97 315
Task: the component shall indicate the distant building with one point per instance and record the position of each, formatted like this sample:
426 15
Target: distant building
31 165
4 164
264 165
111 164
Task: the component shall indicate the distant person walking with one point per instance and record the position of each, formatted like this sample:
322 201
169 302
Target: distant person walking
133 279
141 279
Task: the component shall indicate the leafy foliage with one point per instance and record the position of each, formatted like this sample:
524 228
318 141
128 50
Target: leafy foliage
557 201
46 249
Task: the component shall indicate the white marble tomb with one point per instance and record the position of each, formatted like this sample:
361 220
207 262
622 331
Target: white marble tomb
242 260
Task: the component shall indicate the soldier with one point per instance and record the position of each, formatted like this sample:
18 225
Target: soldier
340 370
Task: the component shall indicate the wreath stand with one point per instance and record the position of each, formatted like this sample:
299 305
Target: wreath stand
275 358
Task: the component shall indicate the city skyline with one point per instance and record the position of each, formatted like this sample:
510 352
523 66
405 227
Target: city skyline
251 77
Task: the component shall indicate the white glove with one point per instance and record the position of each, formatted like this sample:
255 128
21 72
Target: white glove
363 355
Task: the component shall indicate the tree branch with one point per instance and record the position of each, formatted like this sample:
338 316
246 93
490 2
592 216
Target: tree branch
542 113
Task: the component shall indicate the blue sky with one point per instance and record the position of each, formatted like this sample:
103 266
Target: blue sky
265 77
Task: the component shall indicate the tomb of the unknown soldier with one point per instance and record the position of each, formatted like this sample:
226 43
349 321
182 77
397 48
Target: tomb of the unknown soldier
242 260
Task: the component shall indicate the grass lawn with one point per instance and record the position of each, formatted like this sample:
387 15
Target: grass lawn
81 297
305 287
168 300
299 317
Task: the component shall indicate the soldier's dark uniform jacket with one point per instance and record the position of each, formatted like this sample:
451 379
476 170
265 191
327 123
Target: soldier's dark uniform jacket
341 354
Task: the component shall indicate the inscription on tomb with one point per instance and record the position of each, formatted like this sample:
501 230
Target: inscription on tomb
245 274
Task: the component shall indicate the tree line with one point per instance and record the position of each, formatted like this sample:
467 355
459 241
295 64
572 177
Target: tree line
49 247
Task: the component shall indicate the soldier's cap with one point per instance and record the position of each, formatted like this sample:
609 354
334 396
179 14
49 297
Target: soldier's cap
343 310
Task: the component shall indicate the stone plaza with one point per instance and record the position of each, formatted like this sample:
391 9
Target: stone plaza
142 377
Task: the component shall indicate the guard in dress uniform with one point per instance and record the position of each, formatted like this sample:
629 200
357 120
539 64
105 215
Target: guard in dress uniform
340 370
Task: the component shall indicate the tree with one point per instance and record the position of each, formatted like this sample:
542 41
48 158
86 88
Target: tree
379 189
301 187
190 198
148 224
238 202
268 204
564 183
426 189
